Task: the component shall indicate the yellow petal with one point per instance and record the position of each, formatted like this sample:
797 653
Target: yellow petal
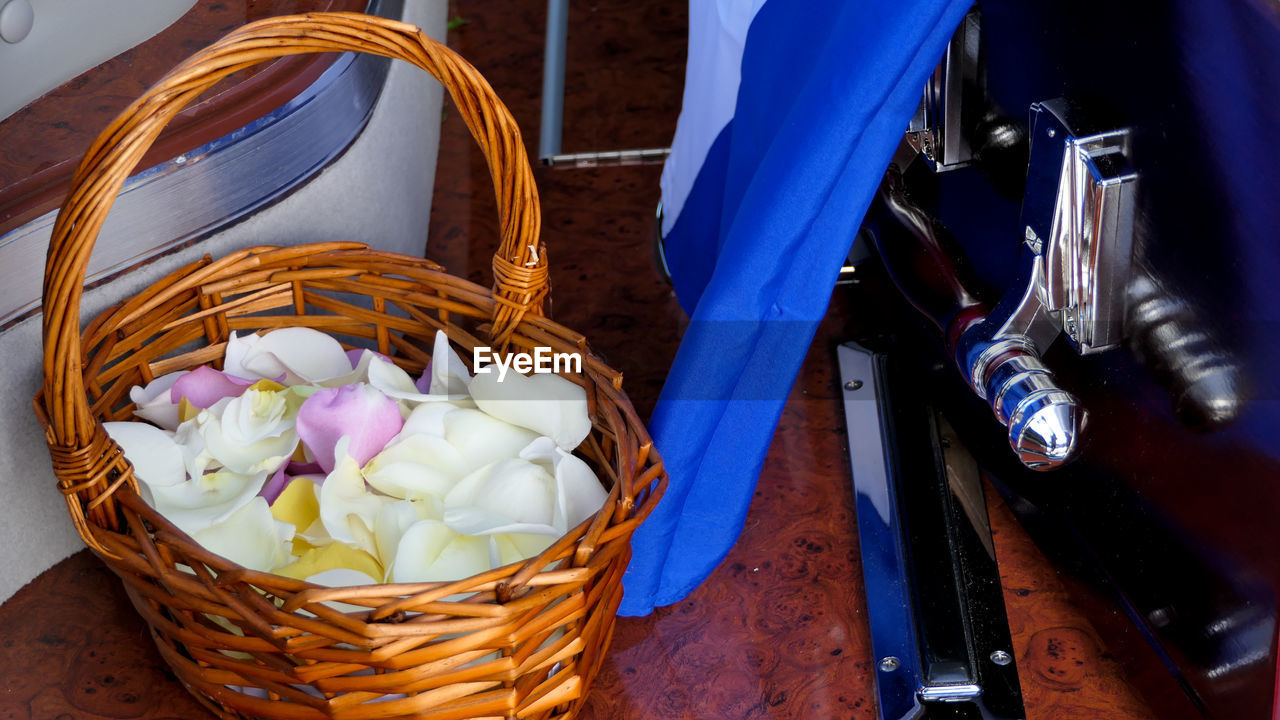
301 545
297 503
267 385
186 410
330 557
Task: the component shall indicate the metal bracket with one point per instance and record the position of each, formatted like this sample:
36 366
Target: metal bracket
937 130
1078 215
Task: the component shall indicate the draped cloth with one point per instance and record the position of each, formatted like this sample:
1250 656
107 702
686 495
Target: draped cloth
774 162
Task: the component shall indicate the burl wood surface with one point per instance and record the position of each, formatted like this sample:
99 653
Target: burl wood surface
780 629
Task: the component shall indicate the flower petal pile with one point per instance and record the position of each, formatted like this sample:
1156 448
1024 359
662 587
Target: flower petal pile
337 467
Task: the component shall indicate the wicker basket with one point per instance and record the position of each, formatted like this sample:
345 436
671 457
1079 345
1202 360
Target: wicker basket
523 641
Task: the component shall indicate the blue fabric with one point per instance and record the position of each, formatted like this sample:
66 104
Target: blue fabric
691 264
827 89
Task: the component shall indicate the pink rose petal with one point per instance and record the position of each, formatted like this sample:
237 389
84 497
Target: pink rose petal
296 468
272 488
359 412
423 384
205 386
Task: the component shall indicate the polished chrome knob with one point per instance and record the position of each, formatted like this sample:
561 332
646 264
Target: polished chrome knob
1046 423
1047 429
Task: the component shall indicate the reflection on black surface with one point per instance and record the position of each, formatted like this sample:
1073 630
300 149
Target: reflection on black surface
1205 382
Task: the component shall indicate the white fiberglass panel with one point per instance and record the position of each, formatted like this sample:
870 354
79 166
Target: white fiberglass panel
68 37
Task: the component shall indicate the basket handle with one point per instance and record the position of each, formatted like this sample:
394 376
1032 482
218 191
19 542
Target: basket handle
519 271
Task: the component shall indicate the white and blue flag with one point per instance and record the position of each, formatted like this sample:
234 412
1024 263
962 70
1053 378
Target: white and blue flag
791 113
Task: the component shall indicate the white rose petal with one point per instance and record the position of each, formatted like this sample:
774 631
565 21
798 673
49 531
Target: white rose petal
257 415
512 495
250 536
509 548
395 519
524 504
416 467
255 431
392 380
347 509
195 455
267 455
386 375
579 494
315 533
480 521
197 503
395 382
358 373
154 402
482 438
301 354
449 375
430 552
156 457
545 403
426 419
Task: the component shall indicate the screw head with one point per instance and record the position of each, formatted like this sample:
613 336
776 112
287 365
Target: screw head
853 385
1001 657
889 663
1159 617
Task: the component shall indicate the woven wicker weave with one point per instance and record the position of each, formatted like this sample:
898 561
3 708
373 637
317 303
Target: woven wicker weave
520 641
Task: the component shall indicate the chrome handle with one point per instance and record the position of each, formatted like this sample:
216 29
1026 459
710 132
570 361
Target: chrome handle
998 351
1078 220
1045 422
1000 357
